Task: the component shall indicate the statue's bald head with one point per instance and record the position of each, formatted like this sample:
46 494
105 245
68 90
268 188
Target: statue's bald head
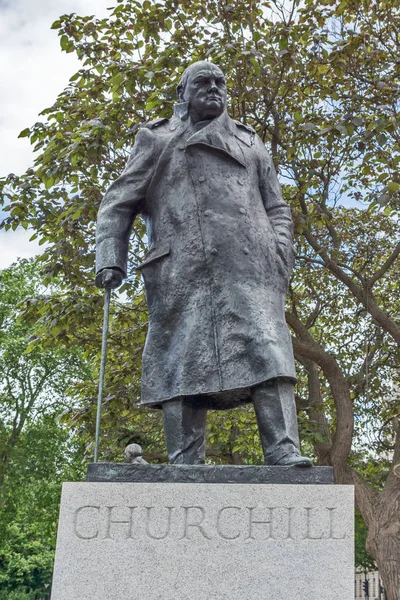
191 70
203 87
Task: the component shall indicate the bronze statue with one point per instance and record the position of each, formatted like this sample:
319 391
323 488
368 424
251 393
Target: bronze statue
216 272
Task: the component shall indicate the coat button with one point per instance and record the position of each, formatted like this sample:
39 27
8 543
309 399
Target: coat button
202 178
242 211
207 213
240 182
214 251
246 251
181 147
173 127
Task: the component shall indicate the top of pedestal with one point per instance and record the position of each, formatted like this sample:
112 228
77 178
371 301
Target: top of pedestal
123 472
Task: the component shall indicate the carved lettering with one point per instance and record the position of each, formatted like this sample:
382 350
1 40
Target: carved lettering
229 523
225 536
309 527
194 517
289 536
166 533
109 521
332 520
78 523
267 521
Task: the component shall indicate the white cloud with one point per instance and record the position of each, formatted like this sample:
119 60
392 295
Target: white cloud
33 72
16 244
33 68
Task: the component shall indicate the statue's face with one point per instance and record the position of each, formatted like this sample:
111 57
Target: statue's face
206 92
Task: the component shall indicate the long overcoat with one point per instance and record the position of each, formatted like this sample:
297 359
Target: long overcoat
219 258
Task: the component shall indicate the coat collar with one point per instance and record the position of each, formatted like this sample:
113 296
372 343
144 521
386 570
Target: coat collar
220 134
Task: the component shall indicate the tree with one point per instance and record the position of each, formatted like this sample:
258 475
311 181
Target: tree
46 455
320 85
33 382
36 452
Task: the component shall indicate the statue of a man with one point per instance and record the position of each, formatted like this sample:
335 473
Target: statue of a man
216 272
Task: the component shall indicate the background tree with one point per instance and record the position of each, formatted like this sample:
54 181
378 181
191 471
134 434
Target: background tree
37 453
46 455
320 85
33 382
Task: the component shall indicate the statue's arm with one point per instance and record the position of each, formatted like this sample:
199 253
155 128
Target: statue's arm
277 209
118 209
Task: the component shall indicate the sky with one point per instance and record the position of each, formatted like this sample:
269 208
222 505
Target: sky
33 72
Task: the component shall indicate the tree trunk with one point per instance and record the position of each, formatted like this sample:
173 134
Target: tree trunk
383 543
379 509
381 513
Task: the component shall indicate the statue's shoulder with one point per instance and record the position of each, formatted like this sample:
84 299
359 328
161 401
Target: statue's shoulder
246 133
156 124
243 126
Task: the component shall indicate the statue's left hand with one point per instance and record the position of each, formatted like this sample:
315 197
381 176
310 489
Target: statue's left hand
285 259
283 252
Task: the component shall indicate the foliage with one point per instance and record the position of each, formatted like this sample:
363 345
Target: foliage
320 85
33 381
46 455
363 559
36 452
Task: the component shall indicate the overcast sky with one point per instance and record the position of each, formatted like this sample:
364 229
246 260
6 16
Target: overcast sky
33 71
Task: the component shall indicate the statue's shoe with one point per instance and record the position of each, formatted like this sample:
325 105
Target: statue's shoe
294 460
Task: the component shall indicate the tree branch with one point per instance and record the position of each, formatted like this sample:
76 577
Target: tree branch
363 294
385 267
305 345
316 413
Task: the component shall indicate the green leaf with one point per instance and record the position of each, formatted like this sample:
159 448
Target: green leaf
76 214
24 133
325 130
64 42
381 139
342 129
49 182
393 186
151 104
383 199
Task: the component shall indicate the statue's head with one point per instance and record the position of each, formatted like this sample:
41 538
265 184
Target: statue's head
203 87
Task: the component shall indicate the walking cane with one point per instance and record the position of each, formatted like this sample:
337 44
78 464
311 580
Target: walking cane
107 298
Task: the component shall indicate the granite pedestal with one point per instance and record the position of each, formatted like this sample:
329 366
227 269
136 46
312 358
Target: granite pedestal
204 541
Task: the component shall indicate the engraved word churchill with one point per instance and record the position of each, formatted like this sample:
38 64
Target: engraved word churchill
216 272
258 523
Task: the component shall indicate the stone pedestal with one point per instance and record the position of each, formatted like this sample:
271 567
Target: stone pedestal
204 541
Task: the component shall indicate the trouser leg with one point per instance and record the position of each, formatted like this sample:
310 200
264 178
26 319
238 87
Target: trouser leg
184 430
275 408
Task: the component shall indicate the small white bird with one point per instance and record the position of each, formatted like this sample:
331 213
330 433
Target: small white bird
133 455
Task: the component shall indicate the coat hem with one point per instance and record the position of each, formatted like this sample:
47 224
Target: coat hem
235 396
